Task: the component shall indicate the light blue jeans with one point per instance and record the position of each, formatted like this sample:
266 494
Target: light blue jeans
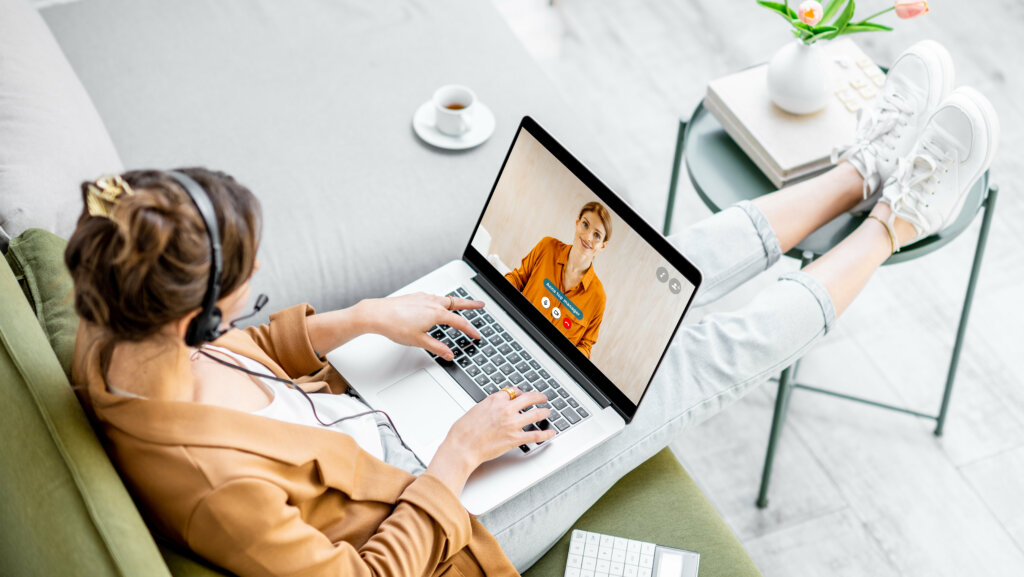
708 366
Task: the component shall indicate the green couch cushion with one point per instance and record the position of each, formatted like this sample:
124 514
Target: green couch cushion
37 259
665 507
63 508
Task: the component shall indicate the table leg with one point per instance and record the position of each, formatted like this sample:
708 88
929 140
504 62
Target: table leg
672 184
979 253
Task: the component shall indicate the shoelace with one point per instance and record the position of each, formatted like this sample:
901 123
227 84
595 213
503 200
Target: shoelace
912 178
875 125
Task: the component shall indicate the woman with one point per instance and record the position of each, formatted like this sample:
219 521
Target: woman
219 463
559 278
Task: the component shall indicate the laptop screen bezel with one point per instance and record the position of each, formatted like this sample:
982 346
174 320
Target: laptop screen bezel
622 404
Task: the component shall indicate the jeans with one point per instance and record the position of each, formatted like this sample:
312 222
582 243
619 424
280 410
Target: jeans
708 366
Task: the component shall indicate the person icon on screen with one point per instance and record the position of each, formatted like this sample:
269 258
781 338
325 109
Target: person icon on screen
563 275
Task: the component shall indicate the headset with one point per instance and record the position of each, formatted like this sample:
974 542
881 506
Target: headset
205 327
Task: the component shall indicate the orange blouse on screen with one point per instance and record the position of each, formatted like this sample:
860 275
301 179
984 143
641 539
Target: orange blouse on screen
547 261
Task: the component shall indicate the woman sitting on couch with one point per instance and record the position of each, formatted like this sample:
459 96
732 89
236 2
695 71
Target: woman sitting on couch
224 455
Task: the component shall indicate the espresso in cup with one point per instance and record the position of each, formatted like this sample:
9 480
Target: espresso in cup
453 107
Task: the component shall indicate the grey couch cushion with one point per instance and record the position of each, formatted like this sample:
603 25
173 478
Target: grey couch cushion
52 137
310 103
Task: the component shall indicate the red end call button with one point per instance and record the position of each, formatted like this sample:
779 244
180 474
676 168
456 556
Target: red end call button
567 323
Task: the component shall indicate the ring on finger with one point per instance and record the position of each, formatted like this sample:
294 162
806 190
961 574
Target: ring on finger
511 393
451 302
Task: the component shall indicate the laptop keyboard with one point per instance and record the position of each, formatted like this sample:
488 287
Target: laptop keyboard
483 367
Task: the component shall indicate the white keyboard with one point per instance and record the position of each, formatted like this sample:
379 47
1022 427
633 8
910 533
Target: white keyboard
597 555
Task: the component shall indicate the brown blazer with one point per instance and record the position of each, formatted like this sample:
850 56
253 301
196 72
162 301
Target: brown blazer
264 497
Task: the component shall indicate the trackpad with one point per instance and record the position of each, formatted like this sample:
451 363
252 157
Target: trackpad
421 409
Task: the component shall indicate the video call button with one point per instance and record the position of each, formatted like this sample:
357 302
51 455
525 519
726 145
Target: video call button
545 302
557 313
662 274
675 286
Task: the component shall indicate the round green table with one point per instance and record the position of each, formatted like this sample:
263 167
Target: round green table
722 174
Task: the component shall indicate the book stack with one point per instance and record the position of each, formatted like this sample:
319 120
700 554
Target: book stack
787 147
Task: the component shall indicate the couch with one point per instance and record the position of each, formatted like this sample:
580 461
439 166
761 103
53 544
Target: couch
148 83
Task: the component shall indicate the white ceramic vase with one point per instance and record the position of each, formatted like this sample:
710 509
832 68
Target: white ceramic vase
798 77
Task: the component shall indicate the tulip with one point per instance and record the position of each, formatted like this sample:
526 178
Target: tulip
907 9
810 12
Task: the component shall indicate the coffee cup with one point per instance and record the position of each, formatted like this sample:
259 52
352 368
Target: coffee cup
453 106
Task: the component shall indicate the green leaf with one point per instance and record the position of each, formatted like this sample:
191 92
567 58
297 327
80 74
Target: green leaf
844 18
821 33
801 26
783 9
866 27
831 7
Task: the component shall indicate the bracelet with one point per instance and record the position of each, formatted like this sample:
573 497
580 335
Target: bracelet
893 245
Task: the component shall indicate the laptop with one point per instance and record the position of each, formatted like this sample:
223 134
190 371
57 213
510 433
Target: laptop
592 348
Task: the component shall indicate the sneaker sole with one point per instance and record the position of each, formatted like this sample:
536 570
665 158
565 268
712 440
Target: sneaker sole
991 120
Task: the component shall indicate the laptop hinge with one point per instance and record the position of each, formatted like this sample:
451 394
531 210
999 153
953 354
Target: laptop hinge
542 340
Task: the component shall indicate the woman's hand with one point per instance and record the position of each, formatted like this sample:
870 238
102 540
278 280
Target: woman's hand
487 431
407 318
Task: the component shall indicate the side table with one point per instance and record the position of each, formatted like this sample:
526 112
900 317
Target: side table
723 175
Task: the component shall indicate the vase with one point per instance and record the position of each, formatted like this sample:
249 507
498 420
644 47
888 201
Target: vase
798 77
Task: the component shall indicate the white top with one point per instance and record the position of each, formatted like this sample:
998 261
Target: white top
290 406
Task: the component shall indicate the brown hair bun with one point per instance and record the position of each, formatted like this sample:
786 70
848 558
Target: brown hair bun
148 263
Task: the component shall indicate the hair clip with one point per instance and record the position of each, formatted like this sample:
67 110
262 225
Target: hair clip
104 194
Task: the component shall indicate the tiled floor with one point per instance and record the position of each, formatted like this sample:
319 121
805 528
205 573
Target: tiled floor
856 490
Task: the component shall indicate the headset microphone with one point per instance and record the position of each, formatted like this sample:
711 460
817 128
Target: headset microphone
261 301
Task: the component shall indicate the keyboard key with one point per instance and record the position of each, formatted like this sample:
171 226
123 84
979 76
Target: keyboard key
452 333
463 361
526 387
462 341
479 358
517 346
516 378
561 424
607 541
489 368
479 322
629 571
462 292
535 365
526 355
470 314
507 369
481 379
532 377
514 358
563 393
506 336
499 328
471 350
473 370
544 374
498 378
505 349
558 404
457 352
647 560
605 553
490 389
488 318
618 556
489 350
583 412
554 384
487 332
569 414
521 367
437 334
572 402
541 386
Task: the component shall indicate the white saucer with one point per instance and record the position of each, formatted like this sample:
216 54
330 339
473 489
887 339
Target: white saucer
482 123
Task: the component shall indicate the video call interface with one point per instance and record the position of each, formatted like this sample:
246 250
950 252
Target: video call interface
605 289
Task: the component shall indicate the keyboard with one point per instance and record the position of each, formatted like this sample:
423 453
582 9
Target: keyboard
597 555
483 367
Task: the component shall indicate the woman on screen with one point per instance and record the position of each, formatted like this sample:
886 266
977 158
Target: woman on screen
559 278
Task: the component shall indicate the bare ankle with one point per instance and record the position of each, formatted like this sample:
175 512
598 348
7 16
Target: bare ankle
853 183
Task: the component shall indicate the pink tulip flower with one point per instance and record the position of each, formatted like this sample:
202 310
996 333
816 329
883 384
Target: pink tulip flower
906 9
810 12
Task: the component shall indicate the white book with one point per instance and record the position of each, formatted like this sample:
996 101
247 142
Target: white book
789 147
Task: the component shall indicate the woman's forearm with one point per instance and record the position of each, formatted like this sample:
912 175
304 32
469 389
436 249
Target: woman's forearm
328 331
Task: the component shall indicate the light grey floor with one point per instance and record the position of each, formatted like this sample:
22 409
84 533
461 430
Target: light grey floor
857 491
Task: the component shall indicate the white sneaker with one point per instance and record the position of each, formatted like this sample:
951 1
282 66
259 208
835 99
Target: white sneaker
955 148
919 80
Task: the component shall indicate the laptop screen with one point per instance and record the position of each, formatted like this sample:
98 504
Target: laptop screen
565 245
